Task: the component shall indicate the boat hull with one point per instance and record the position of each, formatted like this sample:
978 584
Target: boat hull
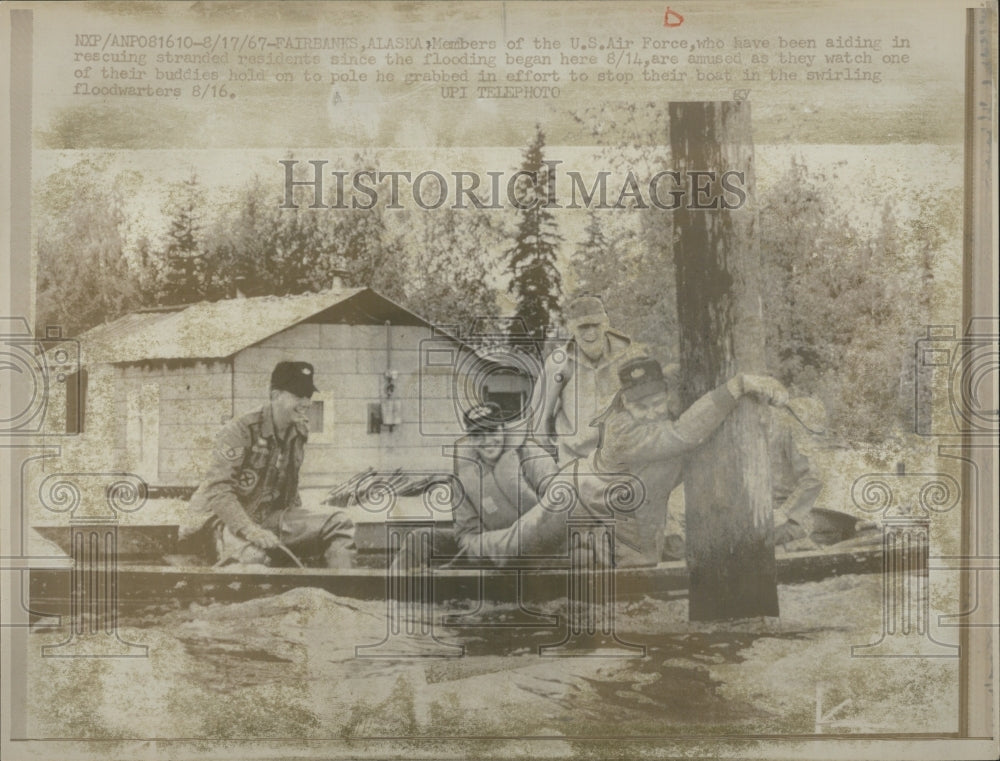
149 587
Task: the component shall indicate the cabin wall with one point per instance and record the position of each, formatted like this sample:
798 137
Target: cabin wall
350 363
168 416
160 419
90 450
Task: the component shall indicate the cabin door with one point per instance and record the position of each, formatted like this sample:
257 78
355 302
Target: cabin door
142 431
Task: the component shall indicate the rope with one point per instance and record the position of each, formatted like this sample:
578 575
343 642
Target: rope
795 415
290 554
230 561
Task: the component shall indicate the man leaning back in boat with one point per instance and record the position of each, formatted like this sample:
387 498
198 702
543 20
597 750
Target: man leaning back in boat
502 472
639 439
251 487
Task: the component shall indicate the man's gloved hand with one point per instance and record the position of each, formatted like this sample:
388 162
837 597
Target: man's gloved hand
765 387
260 537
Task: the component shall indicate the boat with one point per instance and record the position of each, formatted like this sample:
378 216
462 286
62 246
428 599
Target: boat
151 571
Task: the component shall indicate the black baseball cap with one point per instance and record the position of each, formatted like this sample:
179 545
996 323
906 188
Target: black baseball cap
294 377
641 377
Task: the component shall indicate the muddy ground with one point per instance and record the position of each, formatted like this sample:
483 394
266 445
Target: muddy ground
287 667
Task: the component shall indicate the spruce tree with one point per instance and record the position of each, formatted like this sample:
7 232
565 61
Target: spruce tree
532 260
184 270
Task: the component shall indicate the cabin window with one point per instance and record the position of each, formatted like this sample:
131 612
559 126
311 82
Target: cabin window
76 401
375 418
513 404
322 425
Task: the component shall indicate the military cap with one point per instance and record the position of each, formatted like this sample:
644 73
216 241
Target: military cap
585 309
294 377
641 377
483 418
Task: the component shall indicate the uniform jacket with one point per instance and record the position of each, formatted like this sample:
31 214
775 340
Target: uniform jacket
574 391
653 453
252 474
495 496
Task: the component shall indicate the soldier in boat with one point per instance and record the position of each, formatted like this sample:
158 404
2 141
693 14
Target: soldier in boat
640 448
795 484
251 488
502 472
794 431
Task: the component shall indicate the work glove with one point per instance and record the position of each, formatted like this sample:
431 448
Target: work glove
765 387
260 537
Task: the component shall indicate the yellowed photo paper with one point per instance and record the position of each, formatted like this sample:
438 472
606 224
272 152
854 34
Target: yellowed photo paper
446 380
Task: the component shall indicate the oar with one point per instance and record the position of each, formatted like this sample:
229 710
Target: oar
339 489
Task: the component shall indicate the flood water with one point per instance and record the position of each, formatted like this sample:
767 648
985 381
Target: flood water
301 664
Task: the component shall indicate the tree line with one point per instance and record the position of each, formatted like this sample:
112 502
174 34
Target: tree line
95 262
844 301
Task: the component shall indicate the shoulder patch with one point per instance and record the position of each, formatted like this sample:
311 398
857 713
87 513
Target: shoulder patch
247 479
231 454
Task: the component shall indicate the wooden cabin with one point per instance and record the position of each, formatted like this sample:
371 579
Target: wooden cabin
155 386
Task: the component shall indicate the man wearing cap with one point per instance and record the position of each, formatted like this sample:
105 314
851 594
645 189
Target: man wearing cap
638 435
639 441
252 482
502 472
579 380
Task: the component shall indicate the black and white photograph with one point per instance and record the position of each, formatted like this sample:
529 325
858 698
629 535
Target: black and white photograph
481 380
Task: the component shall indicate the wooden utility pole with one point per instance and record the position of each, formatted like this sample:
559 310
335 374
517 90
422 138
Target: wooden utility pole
720 315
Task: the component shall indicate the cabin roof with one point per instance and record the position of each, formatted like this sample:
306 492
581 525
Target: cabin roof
220 329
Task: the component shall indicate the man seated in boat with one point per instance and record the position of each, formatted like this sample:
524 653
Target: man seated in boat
636 466
252 484
501 471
